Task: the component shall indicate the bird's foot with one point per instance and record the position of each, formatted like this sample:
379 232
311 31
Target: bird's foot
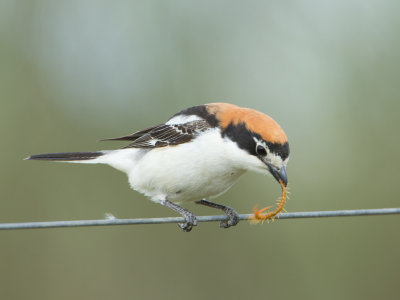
233 218
190 218
191 221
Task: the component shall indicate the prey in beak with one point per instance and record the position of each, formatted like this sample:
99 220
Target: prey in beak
264 213
274 156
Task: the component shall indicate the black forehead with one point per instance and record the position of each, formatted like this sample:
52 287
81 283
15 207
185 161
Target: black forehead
282 150
245 139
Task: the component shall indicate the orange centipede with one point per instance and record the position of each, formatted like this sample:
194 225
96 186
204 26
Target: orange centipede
261 215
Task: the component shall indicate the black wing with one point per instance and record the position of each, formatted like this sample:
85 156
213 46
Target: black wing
166 135
132 136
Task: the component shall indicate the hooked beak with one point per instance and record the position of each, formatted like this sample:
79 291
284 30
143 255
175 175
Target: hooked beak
278 174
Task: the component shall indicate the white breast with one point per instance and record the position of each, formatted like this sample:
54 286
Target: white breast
203 168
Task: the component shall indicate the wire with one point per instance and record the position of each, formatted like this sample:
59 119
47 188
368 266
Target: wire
111 220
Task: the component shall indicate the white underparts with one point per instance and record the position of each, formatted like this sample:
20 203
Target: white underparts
202 168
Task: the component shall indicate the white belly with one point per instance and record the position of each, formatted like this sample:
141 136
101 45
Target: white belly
187 172
204 168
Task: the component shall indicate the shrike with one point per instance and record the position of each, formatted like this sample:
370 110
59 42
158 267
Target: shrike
198 153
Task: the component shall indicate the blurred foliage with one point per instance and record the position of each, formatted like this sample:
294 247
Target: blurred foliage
73 72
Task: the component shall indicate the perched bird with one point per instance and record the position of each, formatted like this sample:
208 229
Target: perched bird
198 153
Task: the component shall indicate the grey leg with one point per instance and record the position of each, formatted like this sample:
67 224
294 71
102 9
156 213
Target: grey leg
189 217
230 212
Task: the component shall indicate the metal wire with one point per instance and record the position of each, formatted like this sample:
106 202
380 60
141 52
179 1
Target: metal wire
111 220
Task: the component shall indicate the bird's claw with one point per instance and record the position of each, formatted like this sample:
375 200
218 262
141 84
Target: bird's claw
233 218
191 221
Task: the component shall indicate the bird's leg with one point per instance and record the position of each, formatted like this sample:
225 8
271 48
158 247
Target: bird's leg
230 212
189 217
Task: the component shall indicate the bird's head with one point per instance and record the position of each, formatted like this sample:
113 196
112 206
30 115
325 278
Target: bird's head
257 134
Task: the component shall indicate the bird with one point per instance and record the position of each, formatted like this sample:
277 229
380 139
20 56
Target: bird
197 154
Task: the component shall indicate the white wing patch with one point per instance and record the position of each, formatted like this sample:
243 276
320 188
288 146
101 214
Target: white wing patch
182 119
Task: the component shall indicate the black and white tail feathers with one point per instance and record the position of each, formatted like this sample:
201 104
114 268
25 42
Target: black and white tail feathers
67 156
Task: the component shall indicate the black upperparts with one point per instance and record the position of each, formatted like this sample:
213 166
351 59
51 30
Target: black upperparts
200 111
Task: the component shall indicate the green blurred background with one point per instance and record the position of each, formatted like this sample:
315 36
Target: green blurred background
73 72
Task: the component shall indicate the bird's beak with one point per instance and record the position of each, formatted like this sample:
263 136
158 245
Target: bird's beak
278 174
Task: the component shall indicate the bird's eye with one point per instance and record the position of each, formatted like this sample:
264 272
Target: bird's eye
261 150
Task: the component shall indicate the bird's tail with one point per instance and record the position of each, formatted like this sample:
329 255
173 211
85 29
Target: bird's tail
77 157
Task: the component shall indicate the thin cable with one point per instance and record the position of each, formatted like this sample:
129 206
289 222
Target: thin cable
110 220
